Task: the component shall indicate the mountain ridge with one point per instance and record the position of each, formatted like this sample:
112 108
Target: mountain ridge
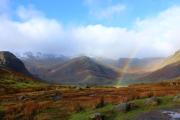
83 70
10 61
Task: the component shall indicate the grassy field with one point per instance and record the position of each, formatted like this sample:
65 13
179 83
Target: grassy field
22 98
111 114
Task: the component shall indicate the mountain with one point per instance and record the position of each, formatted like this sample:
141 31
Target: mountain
169 69
13 74
171 60
134 64
139 65
39 63
10 61
83 70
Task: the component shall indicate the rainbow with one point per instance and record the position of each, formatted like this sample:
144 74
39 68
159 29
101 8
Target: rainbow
126 66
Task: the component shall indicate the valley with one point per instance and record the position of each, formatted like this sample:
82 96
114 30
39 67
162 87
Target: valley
82 88
89 60
64 102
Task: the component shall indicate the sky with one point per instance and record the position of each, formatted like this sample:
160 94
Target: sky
100 28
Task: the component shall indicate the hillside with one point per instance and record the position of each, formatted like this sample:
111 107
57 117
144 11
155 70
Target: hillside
83 70
134 64
14 75
12 82
39 63
170 60
170 70
10 61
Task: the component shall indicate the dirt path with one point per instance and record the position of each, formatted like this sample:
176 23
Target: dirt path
164 114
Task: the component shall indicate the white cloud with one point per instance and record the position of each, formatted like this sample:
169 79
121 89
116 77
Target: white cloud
28 13
109 12
161 31
90 2
99 40
100 10
155 36
34 33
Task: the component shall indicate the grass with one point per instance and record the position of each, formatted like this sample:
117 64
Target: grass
84 115
111 114
76 104
17 84
10 79
26 85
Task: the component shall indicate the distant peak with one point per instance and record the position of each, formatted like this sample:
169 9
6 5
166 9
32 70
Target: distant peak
84 58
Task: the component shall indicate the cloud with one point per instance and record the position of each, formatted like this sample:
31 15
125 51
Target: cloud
161 31
30 32
150 37
33 31
104 9
28 13
109 12
99 40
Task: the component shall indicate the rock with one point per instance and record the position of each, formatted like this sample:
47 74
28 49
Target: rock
153 115
124 107
176 98
78 88
22 97
153 101
96 116
56 96
132 106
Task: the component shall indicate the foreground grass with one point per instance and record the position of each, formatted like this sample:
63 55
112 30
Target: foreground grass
111 114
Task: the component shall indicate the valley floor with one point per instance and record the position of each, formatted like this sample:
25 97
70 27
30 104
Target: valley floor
76 103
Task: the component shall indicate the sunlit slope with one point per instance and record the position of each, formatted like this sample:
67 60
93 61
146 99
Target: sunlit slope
171 60
170 69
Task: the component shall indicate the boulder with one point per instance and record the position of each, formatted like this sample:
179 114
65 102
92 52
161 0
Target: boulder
153 101
78 88
56 96
23 98
123 107
96 116
176 98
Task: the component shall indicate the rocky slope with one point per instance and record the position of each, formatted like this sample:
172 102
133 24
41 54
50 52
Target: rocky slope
10 61
39 63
